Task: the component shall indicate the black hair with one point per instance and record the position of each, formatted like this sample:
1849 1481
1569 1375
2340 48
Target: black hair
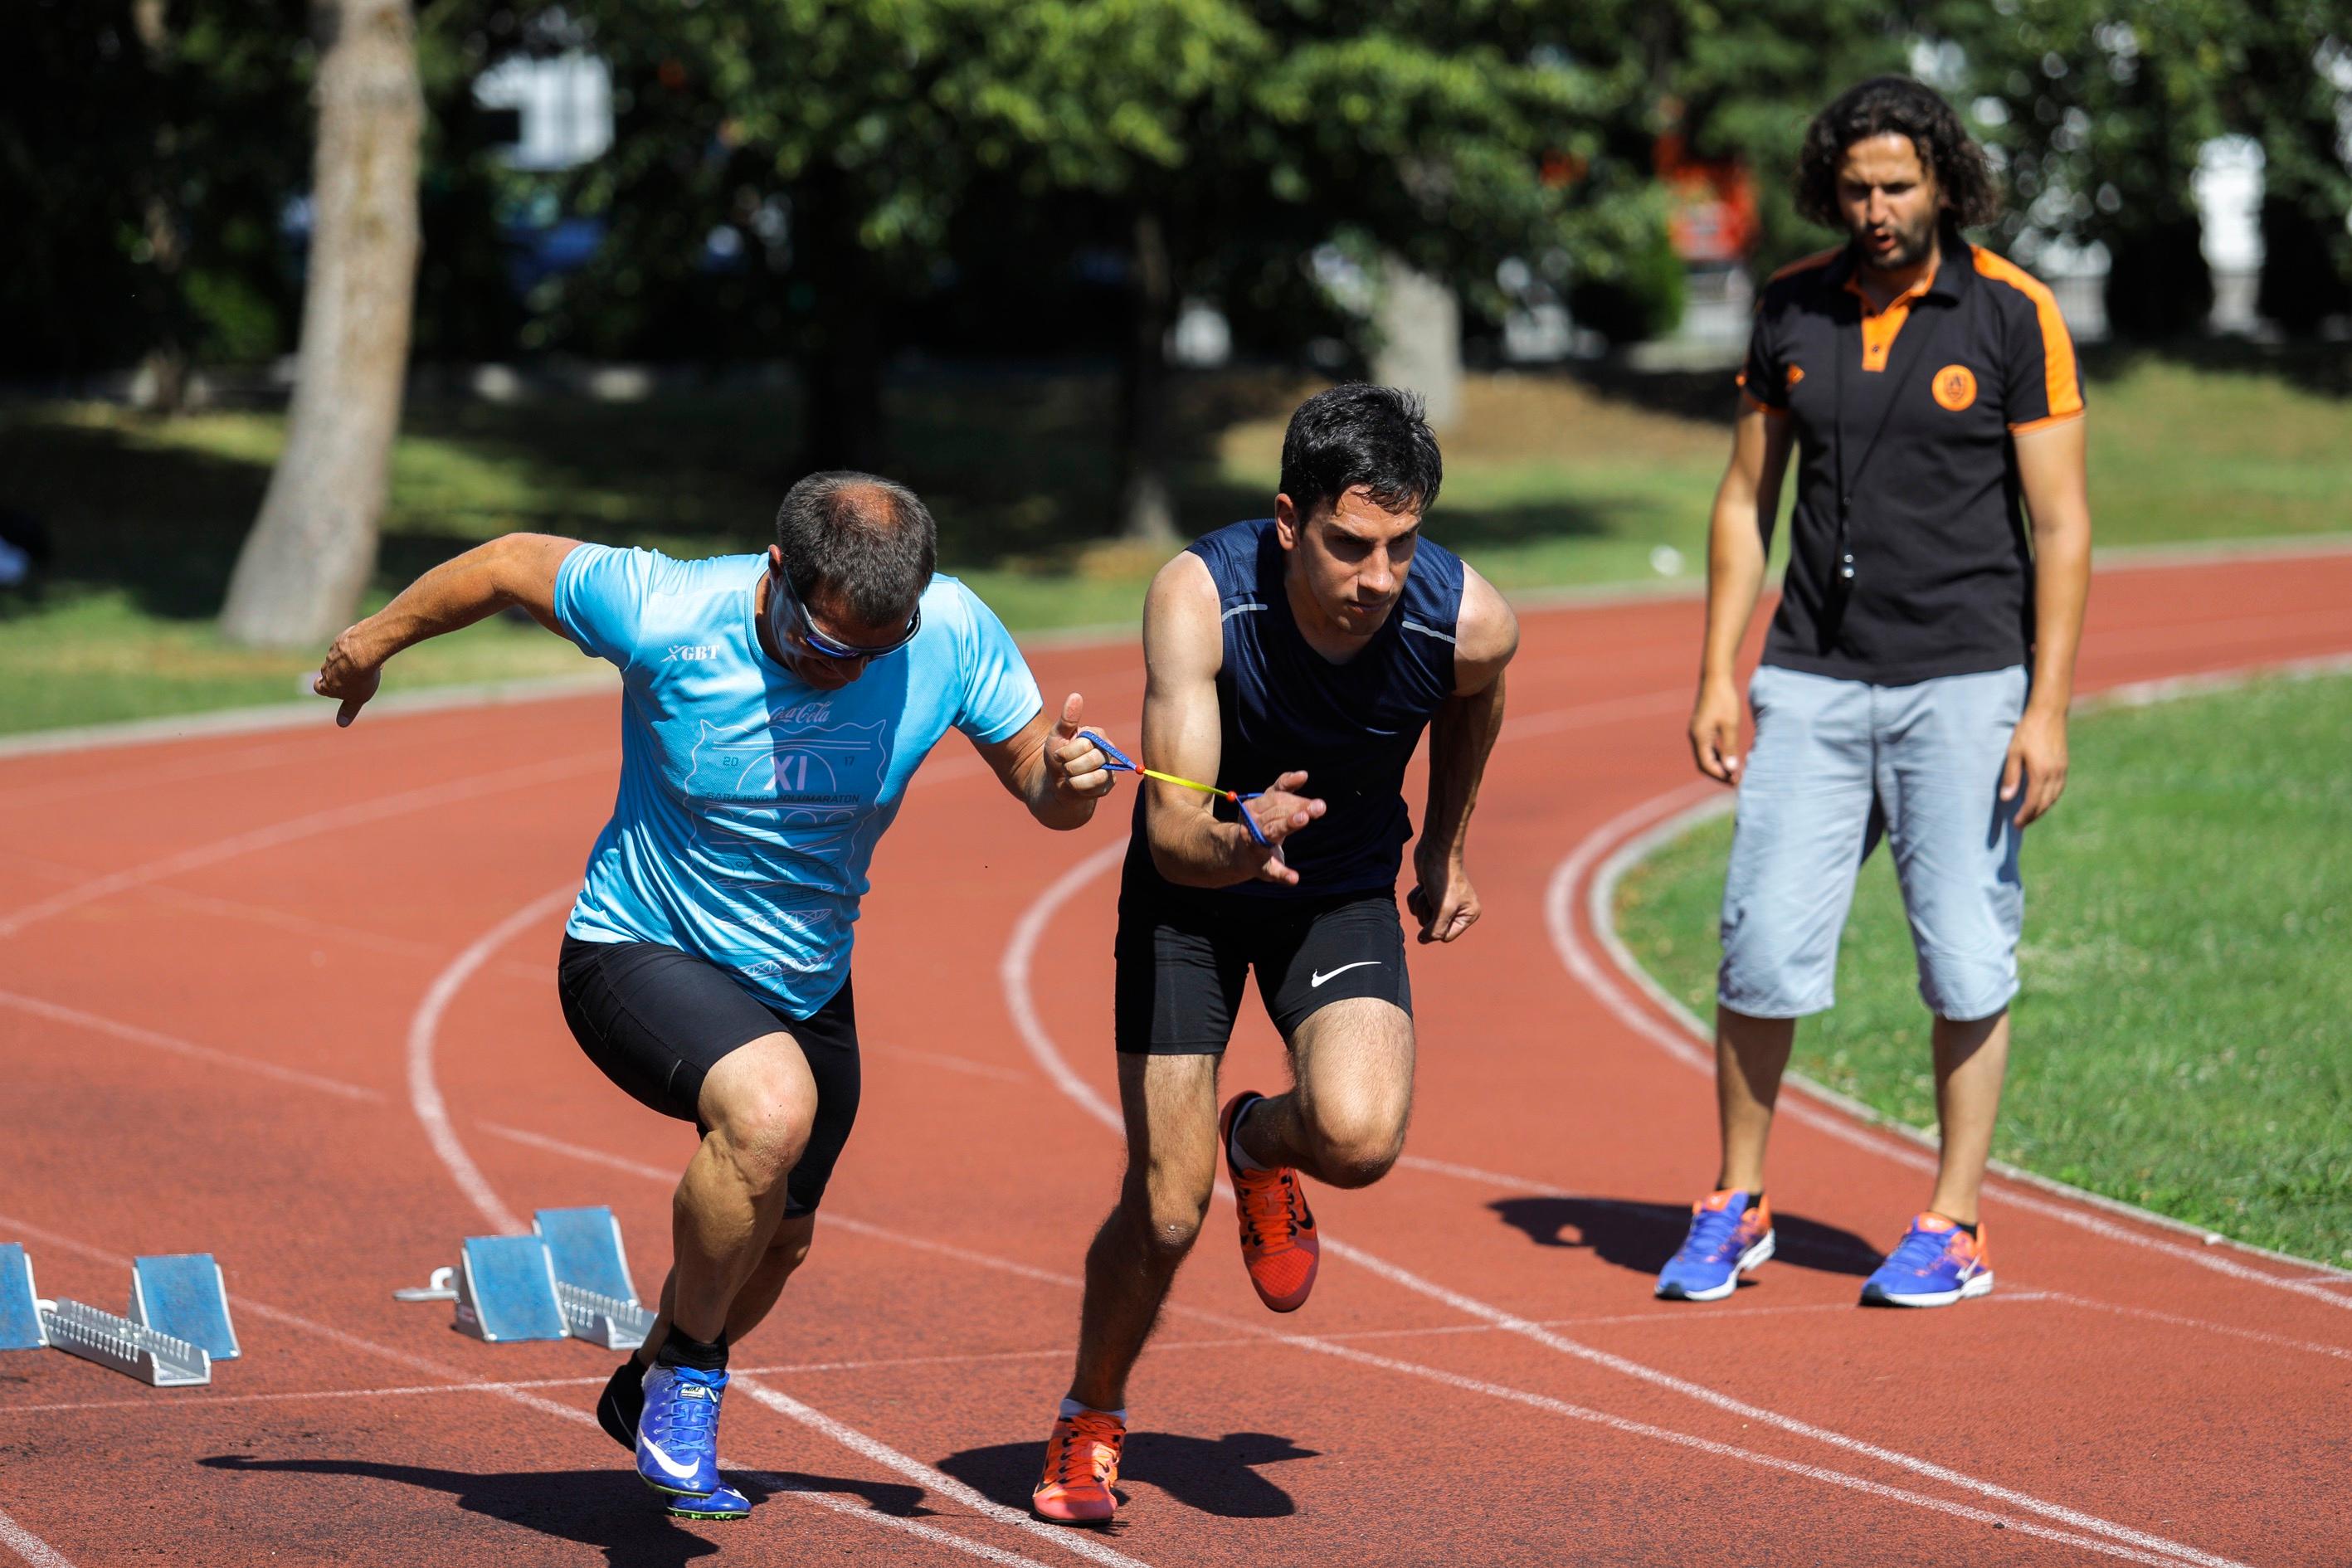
1909 109
870 541
1359 435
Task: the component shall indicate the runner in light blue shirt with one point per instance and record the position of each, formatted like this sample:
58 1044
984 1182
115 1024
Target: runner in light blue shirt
773 709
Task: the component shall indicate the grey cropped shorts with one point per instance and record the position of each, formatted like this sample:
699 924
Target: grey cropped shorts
1837 764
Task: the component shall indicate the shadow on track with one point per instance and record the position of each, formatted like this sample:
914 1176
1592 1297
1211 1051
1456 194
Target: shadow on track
1218 1478
1641 1236
609 1509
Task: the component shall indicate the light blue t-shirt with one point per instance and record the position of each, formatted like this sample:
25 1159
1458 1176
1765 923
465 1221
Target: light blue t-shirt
750 802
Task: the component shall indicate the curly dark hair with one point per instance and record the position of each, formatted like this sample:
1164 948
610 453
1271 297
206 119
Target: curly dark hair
1906 107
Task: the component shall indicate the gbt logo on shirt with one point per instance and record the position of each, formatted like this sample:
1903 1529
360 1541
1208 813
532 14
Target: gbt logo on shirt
690 653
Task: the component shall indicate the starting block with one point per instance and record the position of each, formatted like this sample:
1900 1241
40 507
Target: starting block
179 1322
568 1278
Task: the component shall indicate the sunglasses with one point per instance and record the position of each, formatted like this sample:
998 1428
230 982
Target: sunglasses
781 600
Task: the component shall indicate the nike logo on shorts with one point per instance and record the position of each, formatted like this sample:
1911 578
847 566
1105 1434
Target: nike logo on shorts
1318 979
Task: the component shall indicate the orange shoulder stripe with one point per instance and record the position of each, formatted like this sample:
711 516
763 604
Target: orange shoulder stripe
1811 263
2064 386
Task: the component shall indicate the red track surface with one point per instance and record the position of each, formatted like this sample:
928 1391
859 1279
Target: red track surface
238 975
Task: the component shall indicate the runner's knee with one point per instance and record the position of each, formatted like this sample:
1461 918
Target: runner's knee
1166 1212
1356 1140
763 1140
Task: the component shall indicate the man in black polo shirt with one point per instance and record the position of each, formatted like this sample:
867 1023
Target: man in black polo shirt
1916 681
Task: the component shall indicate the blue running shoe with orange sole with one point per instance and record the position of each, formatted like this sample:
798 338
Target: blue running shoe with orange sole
1730 1235
678 1435
1936 1264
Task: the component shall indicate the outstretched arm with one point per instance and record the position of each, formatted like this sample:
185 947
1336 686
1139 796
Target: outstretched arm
1460 738
1050 768
1183 648
514 569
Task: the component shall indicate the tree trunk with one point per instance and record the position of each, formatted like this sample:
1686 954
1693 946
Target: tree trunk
1420 326
162 384
1147 497
300 574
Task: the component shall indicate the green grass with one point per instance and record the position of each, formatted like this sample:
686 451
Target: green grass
2184 1039
1550 481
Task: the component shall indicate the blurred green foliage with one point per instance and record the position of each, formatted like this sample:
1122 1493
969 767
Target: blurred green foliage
897 173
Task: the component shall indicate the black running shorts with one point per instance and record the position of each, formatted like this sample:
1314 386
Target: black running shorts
1182 961
655 1021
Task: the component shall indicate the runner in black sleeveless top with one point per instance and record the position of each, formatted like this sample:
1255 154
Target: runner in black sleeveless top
1302 655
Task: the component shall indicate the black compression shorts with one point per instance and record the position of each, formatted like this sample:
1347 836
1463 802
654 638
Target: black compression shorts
655 1021
1182 961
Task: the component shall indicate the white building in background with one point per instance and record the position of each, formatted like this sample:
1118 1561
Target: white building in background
562 103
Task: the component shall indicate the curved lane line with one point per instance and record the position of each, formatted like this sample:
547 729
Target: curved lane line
424 1094
1333 1345
1019 957
1625 840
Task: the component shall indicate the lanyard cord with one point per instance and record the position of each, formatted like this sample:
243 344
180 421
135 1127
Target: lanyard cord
1842 566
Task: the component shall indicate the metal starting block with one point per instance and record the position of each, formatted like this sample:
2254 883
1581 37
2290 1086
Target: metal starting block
568 1279
179 1322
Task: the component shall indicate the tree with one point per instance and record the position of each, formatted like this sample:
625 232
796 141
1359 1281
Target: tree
303 566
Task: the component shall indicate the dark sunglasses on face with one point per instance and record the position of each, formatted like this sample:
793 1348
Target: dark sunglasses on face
784 602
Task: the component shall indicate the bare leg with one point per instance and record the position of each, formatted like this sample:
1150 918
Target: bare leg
1171 1103
787 1250
1971 1060
759 1103
1751 1055
1343 1121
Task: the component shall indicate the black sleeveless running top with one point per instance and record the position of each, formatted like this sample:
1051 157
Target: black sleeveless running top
1352 727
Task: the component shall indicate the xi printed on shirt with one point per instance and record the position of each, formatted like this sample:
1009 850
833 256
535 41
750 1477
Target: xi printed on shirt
775 808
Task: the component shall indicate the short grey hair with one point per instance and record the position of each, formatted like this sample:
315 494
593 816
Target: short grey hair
869 540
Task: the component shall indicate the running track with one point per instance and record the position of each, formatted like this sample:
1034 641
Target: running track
288 996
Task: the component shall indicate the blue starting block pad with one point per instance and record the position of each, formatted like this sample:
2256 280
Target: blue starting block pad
20 1303
568 1279
184 1296
592 1278
179 1313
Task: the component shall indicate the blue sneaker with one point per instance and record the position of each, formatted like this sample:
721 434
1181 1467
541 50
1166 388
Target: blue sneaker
1728 1236
720 1506
1936 1264
678 1435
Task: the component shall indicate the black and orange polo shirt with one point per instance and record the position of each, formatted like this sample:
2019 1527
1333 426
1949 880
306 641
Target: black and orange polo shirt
1903 418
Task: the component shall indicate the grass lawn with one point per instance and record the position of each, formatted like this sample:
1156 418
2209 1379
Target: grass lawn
1549 480
2184 1040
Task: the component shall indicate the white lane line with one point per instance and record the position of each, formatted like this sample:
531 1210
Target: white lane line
1248 1333
76 1018
930 1480
426 1092
423 1086
518 1394
2148 1314
30 1547
1616 845
306 826
1019 955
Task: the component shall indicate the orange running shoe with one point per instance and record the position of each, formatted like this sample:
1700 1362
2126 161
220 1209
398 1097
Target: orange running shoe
1278 1245
1081 1467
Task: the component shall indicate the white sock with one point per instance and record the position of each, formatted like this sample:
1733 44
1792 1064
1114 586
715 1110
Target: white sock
1071 1407
1241 1156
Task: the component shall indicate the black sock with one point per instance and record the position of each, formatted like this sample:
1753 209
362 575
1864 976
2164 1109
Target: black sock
679 1350
1969 1227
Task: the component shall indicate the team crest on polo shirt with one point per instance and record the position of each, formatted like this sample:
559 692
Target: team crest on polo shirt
1954 387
